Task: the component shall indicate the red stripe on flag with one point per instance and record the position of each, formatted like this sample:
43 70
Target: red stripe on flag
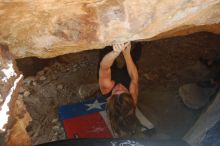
88 126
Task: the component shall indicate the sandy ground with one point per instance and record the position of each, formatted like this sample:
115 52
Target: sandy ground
164 66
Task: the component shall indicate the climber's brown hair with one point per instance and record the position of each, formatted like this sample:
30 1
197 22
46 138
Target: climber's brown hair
121 113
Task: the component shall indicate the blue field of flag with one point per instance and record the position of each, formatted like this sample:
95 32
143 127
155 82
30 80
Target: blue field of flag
88 106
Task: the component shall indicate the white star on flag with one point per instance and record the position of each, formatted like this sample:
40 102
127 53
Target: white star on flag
95 105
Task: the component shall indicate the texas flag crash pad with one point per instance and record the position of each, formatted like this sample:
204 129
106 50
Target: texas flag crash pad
88 119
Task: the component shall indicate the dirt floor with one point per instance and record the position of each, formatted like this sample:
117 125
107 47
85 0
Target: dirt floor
164 66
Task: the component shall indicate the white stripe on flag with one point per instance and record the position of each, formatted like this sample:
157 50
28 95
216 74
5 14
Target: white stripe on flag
143 120
107 122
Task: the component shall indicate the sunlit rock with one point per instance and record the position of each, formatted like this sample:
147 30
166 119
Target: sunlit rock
52 28
13 115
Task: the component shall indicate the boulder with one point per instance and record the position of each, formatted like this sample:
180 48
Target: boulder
200 132
53 28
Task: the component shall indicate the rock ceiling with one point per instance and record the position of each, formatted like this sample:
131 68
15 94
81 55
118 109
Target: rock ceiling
50 28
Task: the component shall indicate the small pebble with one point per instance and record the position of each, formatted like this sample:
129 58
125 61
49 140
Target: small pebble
58 124
21 90
75 65
46 68
75 69
62 136
61 127
151 76
42 78
60 87
34 83
53 77
28 80
26 93
55 127
41 73
54 120
20 96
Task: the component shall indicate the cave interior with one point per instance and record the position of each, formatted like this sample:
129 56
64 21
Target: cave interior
165 65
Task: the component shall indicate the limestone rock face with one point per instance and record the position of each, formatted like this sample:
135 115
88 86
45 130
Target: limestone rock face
14 117
54 27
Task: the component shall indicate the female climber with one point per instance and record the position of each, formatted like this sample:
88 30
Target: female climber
120 87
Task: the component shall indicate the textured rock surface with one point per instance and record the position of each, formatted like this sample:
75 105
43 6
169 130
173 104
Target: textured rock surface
17 135
54 27
13 115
